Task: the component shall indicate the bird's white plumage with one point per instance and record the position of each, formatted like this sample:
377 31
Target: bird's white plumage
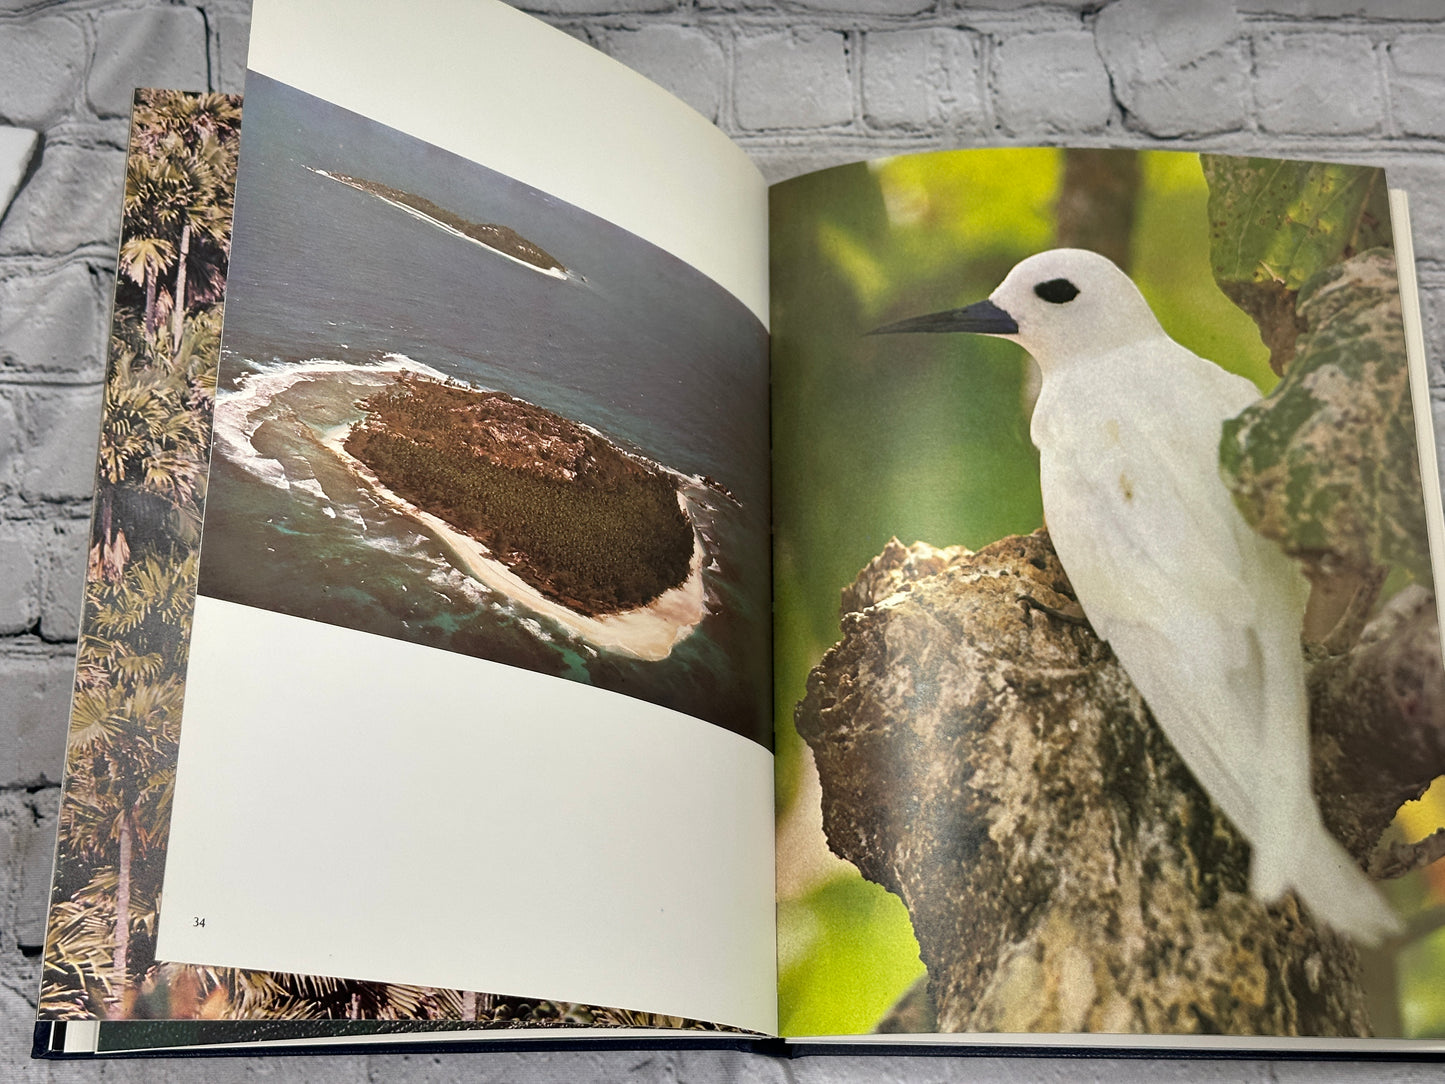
1202 612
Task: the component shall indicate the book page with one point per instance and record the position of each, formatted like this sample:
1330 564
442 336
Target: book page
1008 829
478 685
537 111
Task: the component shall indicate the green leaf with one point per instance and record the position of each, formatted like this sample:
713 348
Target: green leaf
1326 465
1275 224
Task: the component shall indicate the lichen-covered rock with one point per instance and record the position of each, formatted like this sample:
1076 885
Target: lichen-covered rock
983 756
1326 465
1377 721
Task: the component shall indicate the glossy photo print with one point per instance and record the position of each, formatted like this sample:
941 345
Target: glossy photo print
457 411
1087 442
100 960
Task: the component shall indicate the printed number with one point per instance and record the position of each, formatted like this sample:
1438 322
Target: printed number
198 921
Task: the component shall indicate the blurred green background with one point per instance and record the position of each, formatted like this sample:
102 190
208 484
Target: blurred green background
925 437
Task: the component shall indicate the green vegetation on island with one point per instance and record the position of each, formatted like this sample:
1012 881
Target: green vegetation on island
593 528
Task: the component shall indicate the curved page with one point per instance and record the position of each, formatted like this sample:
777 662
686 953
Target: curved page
478 691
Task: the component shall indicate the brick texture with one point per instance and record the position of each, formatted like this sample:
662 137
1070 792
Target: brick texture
801 85
1143 43
1074 95
922 79
1319 84
37 679
71 201
62 573
871 7
60 427
21 548
229 51
1176 69
43 62
1417 83
1321 11
55 321
793 79
167 45
27 849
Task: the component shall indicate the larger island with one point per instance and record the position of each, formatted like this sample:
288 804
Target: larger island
585 524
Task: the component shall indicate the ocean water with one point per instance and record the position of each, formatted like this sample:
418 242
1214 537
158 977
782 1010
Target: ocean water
633 343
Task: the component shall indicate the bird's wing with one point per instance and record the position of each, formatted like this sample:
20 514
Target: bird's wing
1198 608
1198 715
1143 524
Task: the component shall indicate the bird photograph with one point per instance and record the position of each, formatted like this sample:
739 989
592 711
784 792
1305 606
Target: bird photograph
1123 446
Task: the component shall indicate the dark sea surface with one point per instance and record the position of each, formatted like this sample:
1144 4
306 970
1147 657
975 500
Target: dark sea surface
636 344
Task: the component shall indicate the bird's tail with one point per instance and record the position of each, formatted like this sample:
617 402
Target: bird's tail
1291 848
1327 881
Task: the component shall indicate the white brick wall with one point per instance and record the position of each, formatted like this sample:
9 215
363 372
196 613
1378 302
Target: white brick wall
1076 96
800 84
922 79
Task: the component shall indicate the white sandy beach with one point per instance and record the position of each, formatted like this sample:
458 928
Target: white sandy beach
649 632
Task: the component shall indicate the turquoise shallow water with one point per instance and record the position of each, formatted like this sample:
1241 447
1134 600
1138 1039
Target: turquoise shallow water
646 350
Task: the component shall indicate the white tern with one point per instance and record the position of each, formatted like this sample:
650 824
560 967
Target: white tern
1202 612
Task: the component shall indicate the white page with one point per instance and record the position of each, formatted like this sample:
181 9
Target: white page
1426 444
357 806
500 88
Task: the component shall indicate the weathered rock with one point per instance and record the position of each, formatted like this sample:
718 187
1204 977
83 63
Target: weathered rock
984 757
1326 465
1377 721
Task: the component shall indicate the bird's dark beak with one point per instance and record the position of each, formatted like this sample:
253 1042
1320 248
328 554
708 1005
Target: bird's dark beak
980 318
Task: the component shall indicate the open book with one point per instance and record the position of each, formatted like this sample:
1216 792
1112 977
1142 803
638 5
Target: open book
462 657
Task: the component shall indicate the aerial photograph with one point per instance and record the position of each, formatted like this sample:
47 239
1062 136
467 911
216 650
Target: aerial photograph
455 410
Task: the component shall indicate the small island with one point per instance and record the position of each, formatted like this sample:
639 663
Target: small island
502 240
588 526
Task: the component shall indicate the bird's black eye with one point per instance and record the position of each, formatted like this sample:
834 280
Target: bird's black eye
1057 291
